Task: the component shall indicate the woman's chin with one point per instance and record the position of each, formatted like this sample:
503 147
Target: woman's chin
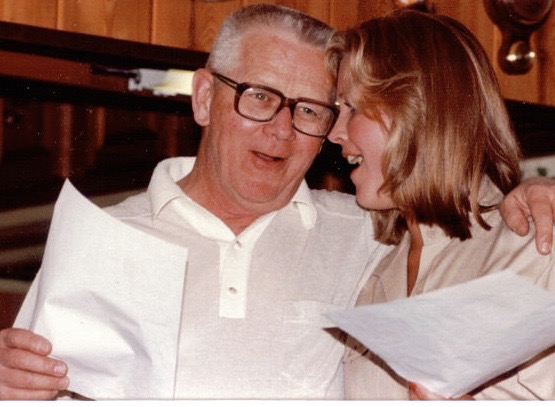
374 203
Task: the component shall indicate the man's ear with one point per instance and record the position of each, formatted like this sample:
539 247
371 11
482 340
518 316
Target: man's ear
201 98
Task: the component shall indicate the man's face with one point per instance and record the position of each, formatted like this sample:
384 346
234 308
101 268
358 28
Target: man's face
260 165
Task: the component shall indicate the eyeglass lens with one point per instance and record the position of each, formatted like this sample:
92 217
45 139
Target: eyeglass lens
262 104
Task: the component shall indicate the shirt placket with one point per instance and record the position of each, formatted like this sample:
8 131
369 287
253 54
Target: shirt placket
233 279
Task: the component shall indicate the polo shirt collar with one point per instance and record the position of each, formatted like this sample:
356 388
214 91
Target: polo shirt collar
302 200
163 189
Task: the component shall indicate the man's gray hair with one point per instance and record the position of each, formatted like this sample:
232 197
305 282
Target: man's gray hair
271 17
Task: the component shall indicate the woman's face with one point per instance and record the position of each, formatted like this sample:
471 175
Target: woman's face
363 141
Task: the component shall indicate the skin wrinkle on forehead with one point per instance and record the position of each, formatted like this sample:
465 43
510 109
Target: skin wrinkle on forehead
276 74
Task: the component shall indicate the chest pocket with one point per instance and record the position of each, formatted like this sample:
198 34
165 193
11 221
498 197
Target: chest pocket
313 348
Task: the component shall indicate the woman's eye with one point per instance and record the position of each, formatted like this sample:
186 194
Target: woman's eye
351 108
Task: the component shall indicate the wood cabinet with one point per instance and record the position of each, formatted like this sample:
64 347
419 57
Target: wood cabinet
67 111
193 23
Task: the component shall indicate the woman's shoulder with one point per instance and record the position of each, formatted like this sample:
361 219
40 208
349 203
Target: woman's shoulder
505 247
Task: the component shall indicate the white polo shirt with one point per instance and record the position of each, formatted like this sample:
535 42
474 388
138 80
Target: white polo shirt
252 323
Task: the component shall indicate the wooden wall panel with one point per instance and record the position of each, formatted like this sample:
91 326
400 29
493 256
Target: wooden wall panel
122 19
194 23
546 60
372 8
207 18
343 13
521 87
319 9
41 13
249 2
172 23
475 18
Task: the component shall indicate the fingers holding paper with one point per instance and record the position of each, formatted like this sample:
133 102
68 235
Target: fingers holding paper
26 371
418 392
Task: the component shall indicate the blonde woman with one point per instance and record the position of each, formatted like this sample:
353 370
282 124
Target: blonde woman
423 120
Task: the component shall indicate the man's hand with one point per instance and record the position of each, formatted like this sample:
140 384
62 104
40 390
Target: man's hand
417 392
26 371
534 197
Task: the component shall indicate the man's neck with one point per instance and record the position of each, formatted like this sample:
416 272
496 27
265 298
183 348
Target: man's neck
236 217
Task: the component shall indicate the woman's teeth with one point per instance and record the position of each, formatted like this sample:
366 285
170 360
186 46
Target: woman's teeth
355 159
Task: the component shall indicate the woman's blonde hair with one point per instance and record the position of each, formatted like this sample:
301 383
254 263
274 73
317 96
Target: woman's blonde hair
449 128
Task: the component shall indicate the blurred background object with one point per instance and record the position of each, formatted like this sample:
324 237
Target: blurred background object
517 20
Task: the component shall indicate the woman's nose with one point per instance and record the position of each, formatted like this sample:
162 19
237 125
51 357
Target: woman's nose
338 133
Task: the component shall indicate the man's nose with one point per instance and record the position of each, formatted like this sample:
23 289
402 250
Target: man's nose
282 124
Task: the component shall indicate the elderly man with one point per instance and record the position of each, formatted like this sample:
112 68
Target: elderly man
267 256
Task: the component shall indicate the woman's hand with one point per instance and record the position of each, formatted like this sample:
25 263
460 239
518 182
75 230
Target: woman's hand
417 392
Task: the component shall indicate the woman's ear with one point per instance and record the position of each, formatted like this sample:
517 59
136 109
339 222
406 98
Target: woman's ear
201 98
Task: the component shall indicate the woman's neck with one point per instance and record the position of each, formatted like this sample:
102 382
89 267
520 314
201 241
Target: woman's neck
415 249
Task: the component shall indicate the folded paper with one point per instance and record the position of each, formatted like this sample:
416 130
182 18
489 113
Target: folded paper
454 339
108 297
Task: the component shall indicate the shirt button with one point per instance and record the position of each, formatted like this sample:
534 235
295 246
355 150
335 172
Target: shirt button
237 244
232 290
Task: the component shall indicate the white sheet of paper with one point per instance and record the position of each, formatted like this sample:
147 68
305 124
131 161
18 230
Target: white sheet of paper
109 299
454 339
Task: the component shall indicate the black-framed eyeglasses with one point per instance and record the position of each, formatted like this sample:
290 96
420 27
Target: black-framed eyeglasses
261 104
